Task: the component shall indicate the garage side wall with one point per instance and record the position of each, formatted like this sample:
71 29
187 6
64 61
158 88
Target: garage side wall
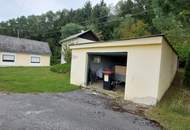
168 68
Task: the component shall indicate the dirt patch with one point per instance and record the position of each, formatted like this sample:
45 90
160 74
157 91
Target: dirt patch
133 109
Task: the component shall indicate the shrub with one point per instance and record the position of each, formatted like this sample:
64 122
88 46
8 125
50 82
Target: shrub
60 68
187 72
67 53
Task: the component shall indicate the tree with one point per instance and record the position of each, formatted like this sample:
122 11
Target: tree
171 20
131 28
70 29
187 72
87 13
100 15
125 7
137 9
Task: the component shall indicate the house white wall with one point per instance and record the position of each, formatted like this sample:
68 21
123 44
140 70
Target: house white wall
22 59
72 41
145 65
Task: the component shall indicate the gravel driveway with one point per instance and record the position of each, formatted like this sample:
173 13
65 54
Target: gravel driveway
79 110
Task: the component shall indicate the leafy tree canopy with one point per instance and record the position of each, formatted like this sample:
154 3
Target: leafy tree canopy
70 29
130 28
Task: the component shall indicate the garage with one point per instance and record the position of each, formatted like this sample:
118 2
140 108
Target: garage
144 67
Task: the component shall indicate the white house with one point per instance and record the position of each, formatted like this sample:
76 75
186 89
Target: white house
79 38
23 52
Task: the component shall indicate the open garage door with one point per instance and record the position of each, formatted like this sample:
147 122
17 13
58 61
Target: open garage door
114 63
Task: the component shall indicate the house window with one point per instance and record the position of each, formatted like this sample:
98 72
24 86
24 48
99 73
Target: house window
8 58
35 59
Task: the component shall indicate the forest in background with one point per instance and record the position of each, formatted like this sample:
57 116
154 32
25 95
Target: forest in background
126 19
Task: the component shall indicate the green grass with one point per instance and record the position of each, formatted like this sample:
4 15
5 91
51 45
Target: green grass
28 79
173 112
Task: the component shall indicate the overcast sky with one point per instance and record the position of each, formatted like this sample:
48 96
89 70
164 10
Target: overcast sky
15 8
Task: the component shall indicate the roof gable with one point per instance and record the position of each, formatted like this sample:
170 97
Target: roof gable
89 35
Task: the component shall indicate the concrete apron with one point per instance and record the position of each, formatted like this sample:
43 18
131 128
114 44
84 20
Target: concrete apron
117 93
117 102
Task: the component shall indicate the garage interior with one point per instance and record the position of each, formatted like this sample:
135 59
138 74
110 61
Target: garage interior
107 70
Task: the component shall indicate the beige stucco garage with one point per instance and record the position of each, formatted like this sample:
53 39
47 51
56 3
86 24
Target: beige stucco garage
151 65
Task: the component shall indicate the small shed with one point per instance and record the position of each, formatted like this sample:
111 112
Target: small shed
150 64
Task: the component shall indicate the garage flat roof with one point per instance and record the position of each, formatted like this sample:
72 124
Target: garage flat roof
136 41
133 38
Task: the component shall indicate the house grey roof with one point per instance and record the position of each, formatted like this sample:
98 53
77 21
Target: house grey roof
20 45
78 35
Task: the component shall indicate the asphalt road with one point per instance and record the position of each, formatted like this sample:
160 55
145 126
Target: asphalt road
79 110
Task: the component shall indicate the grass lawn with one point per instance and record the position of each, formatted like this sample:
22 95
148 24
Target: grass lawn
28 79
173 112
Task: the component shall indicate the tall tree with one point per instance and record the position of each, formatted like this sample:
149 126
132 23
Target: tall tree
138 9
169 21
100 15
87 13
125 7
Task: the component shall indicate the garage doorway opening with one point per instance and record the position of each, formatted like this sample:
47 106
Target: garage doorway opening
107 70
